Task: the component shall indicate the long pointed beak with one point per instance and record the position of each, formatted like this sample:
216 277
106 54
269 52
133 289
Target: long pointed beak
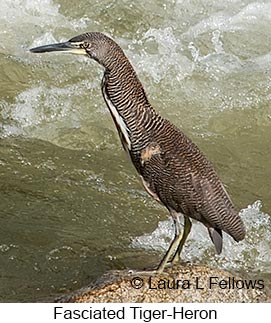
59 47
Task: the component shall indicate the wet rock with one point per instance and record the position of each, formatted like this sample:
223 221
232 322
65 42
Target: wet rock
176 284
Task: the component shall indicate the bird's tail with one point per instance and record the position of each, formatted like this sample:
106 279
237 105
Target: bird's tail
235 227
217 238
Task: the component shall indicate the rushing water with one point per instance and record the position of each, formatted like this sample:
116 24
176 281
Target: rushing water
71 204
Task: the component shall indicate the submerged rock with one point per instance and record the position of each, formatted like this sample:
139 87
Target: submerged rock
177 284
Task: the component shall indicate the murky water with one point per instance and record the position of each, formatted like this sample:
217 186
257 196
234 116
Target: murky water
71 204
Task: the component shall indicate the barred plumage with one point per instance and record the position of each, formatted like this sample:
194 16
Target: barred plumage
172 168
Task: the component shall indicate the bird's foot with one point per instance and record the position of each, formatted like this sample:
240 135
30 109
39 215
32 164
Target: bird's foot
176 259
168 264
152 272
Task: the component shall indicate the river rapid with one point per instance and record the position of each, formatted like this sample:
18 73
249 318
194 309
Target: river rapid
71 204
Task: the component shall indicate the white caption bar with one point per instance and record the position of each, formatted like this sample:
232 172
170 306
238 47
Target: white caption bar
146 313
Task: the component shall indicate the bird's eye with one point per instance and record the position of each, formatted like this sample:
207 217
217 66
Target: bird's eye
84 45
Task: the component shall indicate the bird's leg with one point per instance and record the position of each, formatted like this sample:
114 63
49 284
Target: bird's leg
186 231
173 245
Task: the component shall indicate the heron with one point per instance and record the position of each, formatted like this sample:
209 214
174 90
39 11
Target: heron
172 168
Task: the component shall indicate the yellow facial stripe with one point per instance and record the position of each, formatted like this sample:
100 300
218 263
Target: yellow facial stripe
77 51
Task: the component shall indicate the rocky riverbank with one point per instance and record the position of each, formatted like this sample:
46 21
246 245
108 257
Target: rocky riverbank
179 284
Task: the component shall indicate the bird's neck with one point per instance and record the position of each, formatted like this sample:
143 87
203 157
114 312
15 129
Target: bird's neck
129 106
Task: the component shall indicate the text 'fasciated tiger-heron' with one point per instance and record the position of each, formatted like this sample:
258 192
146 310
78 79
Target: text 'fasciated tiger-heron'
172 168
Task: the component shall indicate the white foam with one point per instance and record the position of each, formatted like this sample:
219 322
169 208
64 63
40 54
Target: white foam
253 253
39 106
232 18
168 58
23 19
163 53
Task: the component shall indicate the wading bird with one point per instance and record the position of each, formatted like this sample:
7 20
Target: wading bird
172 168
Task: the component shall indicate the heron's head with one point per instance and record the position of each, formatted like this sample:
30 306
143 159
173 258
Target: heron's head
94 45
